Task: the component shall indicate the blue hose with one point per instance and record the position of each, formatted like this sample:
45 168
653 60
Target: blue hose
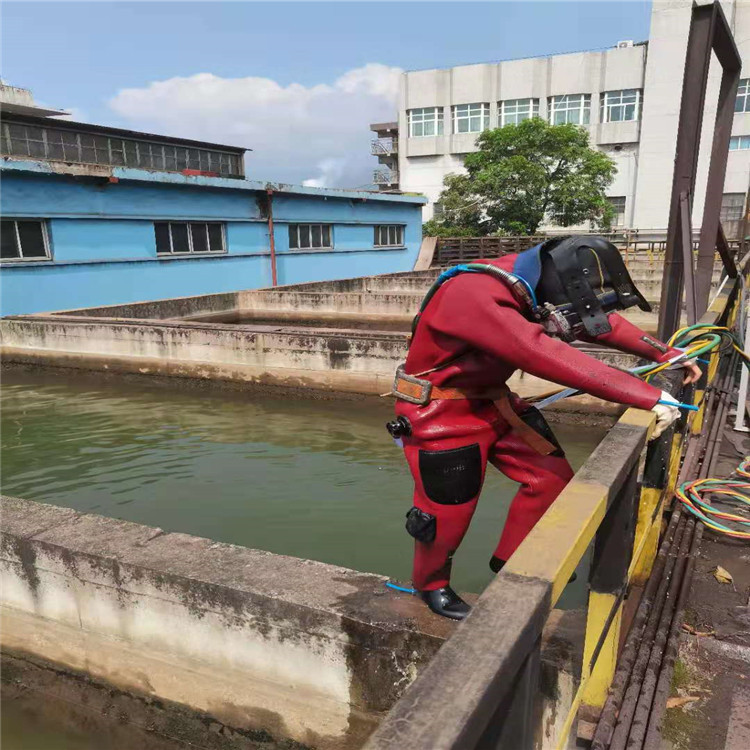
400 588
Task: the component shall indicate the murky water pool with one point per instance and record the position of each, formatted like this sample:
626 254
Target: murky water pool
313 479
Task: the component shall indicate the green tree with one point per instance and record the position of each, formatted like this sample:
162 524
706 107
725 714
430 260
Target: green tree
523 174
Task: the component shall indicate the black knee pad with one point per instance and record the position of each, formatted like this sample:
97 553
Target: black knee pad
421 525
534 419
453 476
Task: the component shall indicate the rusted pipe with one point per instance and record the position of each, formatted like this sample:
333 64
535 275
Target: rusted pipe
271 239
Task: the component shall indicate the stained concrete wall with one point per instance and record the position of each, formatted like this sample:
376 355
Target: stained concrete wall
256 642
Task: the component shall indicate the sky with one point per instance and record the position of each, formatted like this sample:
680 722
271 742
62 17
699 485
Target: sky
298 82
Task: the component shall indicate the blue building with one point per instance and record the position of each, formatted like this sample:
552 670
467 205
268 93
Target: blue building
95 216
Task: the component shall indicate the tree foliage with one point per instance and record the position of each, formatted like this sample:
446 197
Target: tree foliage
521 176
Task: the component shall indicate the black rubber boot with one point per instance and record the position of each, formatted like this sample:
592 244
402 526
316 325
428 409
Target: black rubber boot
446 602
496 565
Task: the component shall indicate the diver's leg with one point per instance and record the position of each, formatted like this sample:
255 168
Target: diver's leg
448 476
542 478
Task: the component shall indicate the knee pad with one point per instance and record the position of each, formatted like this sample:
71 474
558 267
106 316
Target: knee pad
453 476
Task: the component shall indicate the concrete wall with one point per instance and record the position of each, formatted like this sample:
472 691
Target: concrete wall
103 247
266 646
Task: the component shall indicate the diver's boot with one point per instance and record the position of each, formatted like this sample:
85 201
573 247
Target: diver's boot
496 565
446 602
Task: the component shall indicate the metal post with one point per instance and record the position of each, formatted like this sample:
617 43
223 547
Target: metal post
739 421
726 52
687 259
608 580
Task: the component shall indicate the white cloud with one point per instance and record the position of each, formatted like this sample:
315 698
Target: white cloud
317 135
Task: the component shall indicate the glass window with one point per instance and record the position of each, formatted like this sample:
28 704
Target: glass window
310 237
513 111
732 206
177 237
570 108
389 235
739 142
742 103
619 106
425 121
470 118
23 239
618 204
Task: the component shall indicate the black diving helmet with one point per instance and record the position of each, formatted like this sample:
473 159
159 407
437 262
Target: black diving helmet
578 280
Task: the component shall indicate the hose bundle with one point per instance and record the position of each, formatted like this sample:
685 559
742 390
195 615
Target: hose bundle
690 494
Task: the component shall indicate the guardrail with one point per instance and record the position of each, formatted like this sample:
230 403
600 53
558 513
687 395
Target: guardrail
452 250
384 146
481 689
385 177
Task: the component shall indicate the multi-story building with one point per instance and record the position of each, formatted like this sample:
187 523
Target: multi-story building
627 97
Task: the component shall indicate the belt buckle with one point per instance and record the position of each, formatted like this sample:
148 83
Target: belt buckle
425 388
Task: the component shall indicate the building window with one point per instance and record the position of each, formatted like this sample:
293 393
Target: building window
179 237
513 111
470 118
742 103
59 144
739 142
23 239
732 207
620 106
425 121
570 108
618 205
310 237
389 235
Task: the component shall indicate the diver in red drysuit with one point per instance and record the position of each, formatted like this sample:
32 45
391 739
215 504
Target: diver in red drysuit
477 321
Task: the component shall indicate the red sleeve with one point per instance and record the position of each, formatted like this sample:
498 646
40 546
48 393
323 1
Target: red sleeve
483 313
629 338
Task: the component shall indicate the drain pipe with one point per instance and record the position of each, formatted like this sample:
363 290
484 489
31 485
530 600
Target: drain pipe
271 240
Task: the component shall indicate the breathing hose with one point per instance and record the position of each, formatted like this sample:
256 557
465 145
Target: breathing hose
690 495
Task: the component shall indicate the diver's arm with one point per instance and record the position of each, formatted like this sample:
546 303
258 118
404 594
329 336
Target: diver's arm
629 338
484 314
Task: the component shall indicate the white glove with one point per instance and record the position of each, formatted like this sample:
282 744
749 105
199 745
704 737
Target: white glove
665 415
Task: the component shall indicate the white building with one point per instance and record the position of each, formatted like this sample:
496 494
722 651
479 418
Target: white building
628 98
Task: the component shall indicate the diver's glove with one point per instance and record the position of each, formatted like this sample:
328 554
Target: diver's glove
665 414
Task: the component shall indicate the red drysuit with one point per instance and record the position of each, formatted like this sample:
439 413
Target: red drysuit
478 315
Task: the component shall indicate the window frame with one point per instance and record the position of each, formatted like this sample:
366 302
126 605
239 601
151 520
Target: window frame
611 100
739 140
504 118
743 93
584 108
295 227
727 208
437 120
482 113
624 199
21 258
399 235
191 253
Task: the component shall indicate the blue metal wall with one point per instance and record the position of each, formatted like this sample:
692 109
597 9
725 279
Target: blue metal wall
103 247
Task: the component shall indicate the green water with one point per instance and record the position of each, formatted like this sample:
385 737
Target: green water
313 479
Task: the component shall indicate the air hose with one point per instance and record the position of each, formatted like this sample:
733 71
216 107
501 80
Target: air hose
690 495
695 341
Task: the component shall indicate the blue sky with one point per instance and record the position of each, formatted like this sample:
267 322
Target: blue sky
134 64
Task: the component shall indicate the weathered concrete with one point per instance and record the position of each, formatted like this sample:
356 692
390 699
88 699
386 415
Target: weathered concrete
261 644
343 336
